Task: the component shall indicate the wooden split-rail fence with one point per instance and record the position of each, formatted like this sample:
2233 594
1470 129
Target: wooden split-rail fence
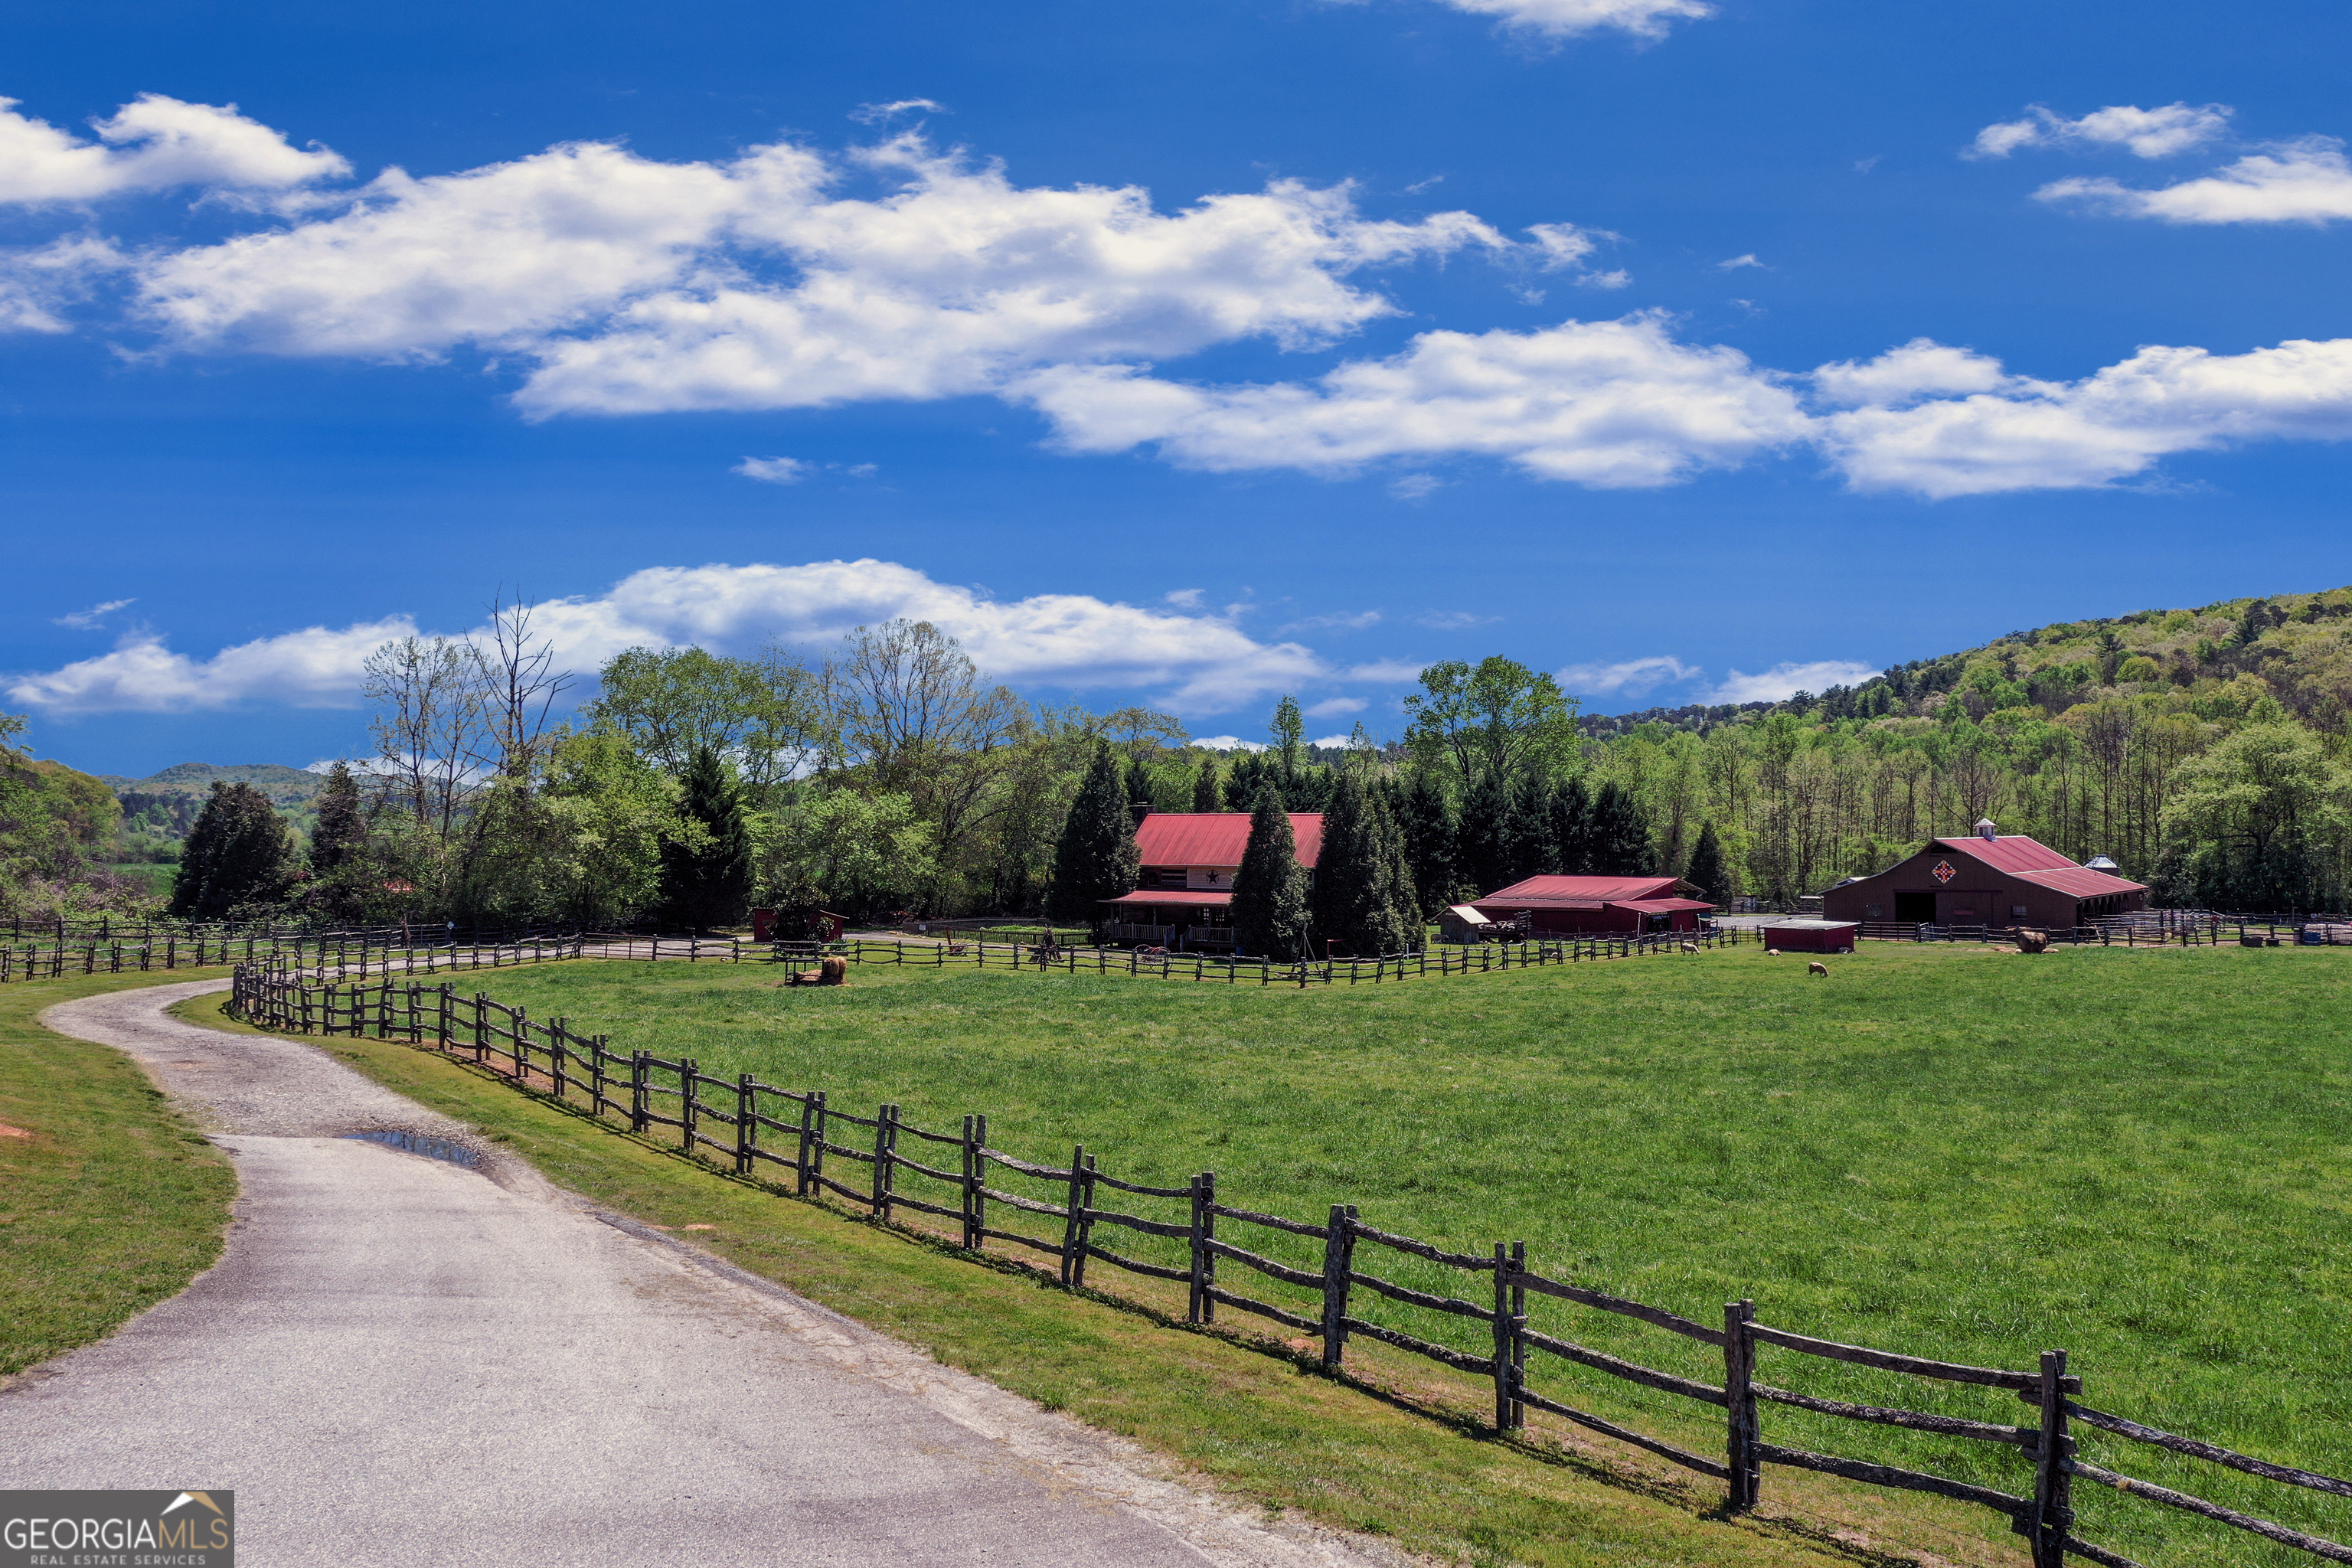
345 957
889 1167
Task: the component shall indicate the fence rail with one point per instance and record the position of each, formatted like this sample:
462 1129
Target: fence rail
795 1137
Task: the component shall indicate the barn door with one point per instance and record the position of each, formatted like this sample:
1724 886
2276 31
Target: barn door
1916 909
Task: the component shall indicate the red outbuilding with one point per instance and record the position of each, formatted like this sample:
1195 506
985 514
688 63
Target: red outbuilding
1810 936
1185 896
1567 905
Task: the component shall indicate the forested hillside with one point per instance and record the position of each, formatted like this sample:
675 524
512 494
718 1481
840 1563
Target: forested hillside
57 829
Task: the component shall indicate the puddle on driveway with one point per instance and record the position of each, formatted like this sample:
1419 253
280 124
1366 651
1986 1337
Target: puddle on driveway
419 1143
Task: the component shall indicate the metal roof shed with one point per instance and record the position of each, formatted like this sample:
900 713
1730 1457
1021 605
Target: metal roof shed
1810 936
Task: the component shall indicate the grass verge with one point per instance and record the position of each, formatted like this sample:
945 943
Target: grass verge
110 1201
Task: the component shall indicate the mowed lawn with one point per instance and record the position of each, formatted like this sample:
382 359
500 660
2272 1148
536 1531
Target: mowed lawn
2143 1157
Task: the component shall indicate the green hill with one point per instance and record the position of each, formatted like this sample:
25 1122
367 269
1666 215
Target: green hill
164 806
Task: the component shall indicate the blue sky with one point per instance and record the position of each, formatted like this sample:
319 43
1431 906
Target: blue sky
1182 354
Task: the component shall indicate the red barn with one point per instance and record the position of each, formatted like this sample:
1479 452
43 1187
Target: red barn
1566 905
1987 879
1185 897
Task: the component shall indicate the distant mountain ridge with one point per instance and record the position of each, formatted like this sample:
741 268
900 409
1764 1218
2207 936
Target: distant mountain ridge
2296 647
164 805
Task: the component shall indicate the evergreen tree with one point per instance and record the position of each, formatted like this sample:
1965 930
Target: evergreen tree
343 824
711 884
1706 868
1534 844
1484 838
1250 774
1363 898
1138 783
1620 837
1425 829
1095 858
239 858
1571 828
1270 914
1204 786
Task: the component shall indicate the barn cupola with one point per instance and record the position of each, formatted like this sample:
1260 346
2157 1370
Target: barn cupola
1985 829
2103 863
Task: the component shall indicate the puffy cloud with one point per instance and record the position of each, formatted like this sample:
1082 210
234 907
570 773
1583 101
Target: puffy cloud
1918 368
2145 133
1230 743
1630 676
1198 662
1785 680
1737 262
2298 181
1564 248
1567 18
38 284
2033 434
636 286
1613 404
1331 706
876 114
152 144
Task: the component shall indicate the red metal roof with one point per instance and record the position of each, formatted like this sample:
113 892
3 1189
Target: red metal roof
1537 891
2080 882
1217 838
1659 906
1169 896
2013 853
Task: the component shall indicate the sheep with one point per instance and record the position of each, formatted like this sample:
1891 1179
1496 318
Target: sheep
1817 968
1690 947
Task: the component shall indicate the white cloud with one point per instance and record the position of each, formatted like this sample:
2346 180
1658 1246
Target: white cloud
1389 671
1564 248
1334 742
2145 133
38 284
1415 487
1739 261
1332 706
1567 18
636 286
1611 404
86 620
1230 743
1193 662
2296 182
773 470
2117 423
1630 676
151 144
1920 367
876 113
1785 680
1455 620
1185 598
1354 622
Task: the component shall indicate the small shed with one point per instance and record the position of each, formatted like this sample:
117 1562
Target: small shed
1557 906
1810 936
1463 922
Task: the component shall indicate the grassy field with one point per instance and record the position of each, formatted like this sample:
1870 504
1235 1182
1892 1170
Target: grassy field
109 1201
2140 1157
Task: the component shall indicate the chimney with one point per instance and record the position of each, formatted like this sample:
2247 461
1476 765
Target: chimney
1985 829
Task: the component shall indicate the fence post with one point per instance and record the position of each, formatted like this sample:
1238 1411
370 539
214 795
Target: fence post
805 1166
1740 1404
637 1091
1510 1336
1338 1260
2054 1511
746 1137
971 1187
1201 1309
688 1070
1073 1205
885 1126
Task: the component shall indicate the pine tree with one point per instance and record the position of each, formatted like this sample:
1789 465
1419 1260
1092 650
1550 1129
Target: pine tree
1364 899
1572 826
1270 915
1249 775
1620 838
1204 786
1425 829
1534 845
1484 837
1706 868
239 858
1095 858
1403 894
709 885
1138 783
343 824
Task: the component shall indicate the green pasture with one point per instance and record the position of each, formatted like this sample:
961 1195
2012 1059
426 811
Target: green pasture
2140 1157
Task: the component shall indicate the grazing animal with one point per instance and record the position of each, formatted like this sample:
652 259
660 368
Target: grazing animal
2032 941
1690 947
830 971
1820 969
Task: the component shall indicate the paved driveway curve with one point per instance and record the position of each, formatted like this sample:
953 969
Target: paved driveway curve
403 1359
